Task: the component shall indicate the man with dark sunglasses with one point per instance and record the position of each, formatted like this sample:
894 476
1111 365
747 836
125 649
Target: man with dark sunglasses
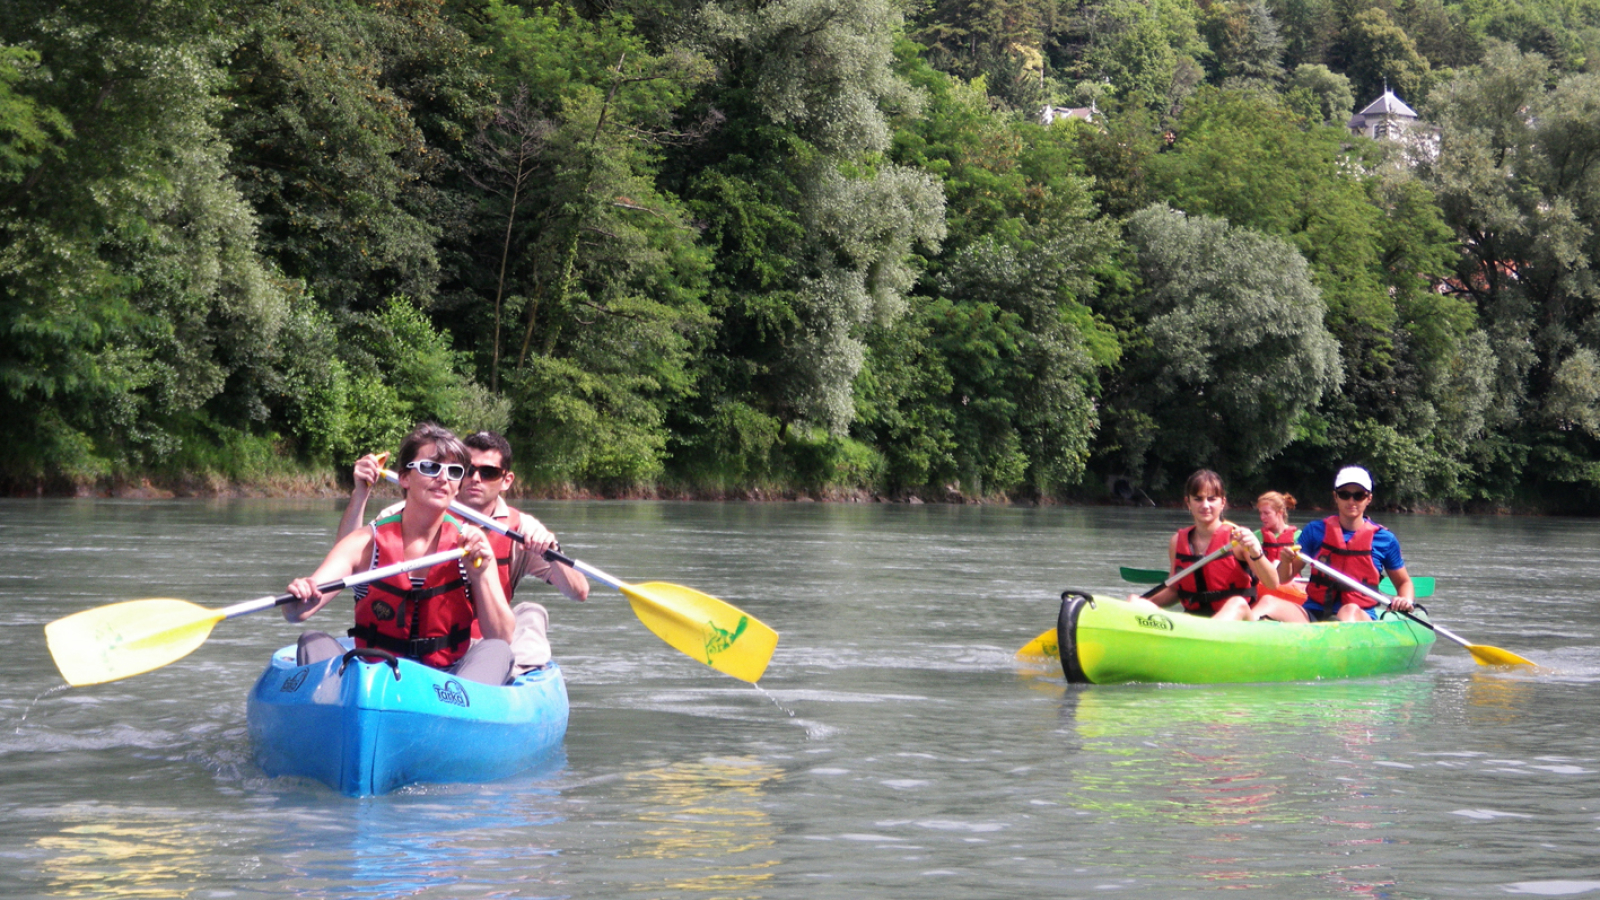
1356 546
483 486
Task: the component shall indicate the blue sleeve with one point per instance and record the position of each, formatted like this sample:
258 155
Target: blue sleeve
1311 538
1386 551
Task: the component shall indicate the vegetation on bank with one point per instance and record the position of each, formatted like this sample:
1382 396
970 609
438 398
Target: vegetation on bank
805 247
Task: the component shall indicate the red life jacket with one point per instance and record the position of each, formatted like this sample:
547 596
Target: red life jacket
503 556
432 623
1273 545
503 551
1201 591
1352 558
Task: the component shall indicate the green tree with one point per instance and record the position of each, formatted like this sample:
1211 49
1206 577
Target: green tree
139 317
1147 52
1376 242
1375 54
1245 42
1308 28
343 118
812 227
1230 348
28 129
1320 95
600 265
1518 180
1002 326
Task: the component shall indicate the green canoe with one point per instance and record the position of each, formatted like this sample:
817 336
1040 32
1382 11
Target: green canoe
1107 640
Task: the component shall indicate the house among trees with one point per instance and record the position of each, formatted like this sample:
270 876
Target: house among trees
1385 118
1388 118
1051 113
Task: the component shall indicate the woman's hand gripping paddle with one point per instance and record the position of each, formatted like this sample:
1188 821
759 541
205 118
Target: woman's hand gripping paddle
712 631
1485 655
111 642
1045 647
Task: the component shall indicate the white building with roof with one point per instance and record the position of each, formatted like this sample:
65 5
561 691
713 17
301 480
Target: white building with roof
1386 117
1051 113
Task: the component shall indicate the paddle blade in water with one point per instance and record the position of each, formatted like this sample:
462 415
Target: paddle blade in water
111 642
1042 649
710 630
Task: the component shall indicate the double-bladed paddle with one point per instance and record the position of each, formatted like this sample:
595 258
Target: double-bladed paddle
1045 646
1485 655
130 638
699 625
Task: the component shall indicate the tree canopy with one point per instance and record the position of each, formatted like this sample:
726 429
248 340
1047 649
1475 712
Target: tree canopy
701 247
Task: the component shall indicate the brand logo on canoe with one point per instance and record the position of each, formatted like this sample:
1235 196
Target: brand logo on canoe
1156 621
293 682
453 693
718 640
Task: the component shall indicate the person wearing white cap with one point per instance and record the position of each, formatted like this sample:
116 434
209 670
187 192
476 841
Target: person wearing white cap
1356 546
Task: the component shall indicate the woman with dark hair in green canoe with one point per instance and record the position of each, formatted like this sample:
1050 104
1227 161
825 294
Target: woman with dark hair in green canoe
1233 586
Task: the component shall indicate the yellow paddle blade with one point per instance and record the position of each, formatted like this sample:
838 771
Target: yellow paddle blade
1494 656
1043 648
710 630
111 642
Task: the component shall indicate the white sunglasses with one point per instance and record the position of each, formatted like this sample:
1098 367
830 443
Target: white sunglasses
430 468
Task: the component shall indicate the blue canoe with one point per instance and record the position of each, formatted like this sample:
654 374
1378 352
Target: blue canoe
366 726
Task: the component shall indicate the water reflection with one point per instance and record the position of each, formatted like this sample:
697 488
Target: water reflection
1494 700
149 853
1212 768
303 840
444 841
707 829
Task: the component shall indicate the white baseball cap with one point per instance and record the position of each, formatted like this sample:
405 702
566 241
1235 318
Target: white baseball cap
1353 475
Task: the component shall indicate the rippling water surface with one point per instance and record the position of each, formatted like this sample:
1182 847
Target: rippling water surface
894 748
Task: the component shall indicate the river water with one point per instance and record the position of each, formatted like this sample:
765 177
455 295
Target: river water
893 749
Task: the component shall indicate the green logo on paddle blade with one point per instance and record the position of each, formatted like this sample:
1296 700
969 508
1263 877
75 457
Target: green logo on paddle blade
718 640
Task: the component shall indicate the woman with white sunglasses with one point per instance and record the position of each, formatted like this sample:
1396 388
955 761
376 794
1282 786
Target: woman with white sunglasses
425 615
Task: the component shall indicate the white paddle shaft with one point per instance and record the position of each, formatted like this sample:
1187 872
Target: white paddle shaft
421 562
1365 591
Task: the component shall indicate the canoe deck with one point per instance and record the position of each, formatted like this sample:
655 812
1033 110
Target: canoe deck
1107 640
378 727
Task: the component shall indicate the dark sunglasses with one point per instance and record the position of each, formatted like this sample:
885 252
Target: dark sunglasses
1352 495
489 473
430 468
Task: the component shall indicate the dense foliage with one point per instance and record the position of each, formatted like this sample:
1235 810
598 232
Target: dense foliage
723 246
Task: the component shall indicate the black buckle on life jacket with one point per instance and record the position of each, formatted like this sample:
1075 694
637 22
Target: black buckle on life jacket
410 648
1202 600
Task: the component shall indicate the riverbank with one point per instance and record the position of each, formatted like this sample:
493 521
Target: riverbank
310 485
156 488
